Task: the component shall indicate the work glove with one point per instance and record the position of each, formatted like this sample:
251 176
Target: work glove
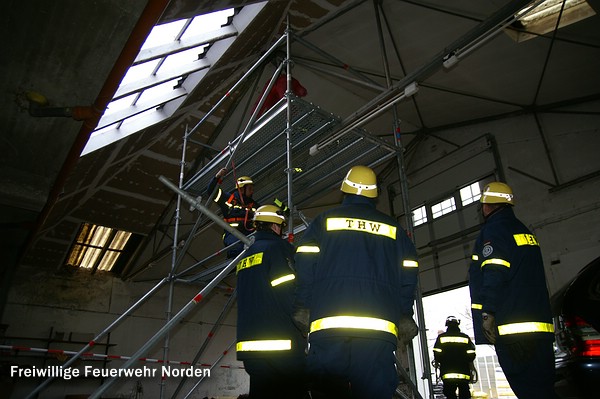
301 318
283 206
407 330
221 173
489 327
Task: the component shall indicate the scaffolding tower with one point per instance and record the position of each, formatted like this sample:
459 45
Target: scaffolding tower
314 149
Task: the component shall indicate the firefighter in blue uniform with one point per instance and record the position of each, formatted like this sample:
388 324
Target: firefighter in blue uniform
268 342
357 274
453 354
237 207
509 297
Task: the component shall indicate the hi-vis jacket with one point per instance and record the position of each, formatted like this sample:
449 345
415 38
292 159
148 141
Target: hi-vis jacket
454 351
265 289
357 272
506 278
238 210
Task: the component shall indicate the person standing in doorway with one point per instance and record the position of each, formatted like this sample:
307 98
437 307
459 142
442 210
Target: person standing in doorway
453 355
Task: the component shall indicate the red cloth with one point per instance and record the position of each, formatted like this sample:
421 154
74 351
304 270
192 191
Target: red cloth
278 91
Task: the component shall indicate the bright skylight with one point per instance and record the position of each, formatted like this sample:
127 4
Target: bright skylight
172 53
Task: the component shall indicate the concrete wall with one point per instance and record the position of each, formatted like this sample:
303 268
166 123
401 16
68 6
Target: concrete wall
66 310
556 185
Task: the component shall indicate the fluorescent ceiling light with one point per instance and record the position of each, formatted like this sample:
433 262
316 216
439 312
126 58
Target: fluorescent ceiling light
542 19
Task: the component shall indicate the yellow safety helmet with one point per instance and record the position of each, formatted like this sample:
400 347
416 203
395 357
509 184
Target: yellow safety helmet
360 180
269 214
497 193
243 180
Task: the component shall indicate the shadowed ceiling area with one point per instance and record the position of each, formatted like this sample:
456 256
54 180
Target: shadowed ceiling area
378 68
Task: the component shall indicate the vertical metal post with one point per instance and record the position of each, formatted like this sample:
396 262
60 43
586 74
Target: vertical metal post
408 219
174 260
288 131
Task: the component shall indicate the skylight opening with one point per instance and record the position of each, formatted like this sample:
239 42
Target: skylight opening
171 53
542 19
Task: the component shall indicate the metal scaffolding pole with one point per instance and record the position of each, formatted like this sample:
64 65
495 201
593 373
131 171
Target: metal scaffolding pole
288 134
403 179
100 336
195 300
212 332
210 369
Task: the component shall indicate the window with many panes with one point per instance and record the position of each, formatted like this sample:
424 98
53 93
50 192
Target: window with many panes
442 208
98 247
419 216
470 193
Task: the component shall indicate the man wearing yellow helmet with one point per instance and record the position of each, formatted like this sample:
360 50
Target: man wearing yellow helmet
268 342
357 273
237 207
509 298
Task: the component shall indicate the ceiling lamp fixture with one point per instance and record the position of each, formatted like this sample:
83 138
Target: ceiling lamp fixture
542 18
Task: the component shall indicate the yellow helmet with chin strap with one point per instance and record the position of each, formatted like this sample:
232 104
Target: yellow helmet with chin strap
497 193
360 180
243 180
269 214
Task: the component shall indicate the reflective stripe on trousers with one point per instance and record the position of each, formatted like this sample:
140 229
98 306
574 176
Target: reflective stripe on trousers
357 322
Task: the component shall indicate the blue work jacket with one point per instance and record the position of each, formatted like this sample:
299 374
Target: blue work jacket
265 286
357 272
506 279
455 352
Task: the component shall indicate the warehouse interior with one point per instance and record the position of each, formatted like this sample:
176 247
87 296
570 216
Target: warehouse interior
437 97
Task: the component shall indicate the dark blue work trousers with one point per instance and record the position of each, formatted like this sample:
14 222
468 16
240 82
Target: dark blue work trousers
528 365
350 367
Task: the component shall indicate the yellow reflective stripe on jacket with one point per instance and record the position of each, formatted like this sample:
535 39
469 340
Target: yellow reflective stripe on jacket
358 322
476 306
495 261
456 340
474 257
264 345
362 225
249 261
282 279
525 327
456 376
308 249
219 192
437 350
410 263
525 239
470 350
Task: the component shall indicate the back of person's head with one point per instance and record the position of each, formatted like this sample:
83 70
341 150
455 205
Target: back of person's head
360 180
497 193
267 215
452 323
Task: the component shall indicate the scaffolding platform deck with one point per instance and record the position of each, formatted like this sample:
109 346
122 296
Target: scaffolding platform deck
262 154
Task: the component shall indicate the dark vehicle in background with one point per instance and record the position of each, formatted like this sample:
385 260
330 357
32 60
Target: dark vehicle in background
576 310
